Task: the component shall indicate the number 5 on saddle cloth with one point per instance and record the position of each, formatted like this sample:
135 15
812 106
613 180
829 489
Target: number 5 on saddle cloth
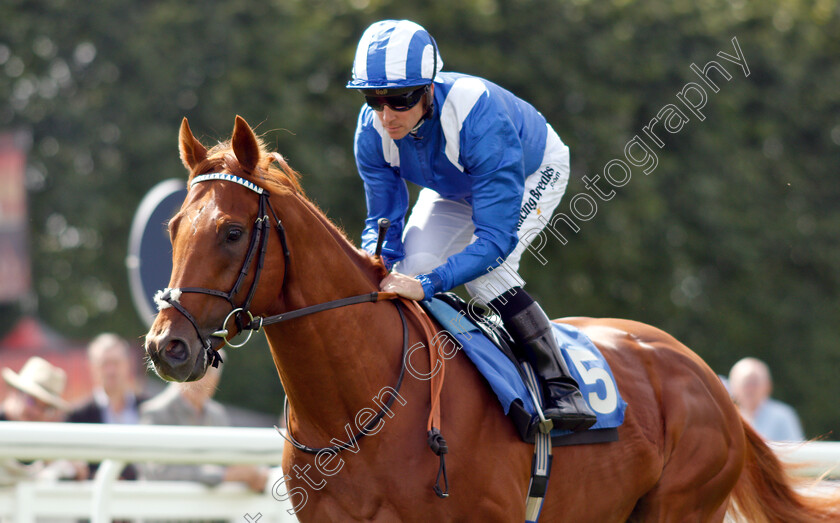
489 349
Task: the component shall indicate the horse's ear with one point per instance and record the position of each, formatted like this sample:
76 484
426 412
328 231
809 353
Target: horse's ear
192 152
245 145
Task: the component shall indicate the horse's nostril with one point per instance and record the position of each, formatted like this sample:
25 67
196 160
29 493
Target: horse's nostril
176 352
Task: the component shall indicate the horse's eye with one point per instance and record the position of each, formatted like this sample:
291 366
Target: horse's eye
233 235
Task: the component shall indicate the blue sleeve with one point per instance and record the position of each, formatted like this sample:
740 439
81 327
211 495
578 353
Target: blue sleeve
492 156
386 193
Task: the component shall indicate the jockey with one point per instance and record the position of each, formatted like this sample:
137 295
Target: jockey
492 170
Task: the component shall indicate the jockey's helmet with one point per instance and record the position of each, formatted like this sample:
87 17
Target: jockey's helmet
393 55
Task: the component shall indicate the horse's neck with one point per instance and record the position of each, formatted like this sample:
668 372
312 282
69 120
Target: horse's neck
331 363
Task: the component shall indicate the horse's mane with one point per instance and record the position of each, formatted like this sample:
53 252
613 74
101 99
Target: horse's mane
275 175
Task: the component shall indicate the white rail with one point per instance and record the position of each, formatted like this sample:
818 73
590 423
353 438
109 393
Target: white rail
813 459
106 498
135 443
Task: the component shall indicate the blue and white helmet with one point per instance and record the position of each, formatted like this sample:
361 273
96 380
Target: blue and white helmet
393 54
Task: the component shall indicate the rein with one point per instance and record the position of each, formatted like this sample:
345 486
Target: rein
368 426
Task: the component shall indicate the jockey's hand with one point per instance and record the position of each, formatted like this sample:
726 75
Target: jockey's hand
403 285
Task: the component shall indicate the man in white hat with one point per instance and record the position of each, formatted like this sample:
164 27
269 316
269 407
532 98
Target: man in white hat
36 392
36 396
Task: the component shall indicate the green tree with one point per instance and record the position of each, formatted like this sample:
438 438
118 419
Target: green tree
730 243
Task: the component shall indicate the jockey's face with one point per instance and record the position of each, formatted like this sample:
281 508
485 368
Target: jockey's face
399 123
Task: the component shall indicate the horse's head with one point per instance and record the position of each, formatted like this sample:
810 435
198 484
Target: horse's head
219 238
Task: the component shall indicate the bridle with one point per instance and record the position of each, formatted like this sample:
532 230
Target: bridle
256 250
170 297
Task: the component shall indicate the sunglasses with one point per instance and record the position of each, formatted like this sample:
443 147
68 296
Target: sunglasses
399 102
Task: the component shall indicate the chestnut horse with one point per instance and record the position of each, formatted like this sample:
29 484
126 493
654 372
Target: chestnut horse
683 453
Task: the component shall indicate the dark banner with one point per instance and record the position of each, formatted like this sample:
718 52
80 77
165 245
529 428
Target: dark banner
149 258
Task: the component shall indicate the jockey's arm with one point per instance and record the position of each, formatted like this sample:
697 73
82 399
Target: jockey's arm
493 158
386 196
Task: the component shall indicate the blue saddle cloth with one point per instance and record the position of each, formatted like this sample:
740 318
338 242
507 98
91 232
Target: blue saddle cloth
585 362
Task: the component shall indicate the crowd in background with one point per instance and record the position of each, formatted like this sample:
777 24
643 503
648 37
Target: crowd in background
35 394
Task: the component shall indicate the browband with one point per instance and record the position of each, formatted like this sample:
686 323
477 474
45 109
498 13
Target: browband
228 178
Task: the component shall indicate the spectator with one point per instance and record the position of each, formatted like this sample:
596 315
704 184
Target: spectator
191 403
114 397
36 396
750 384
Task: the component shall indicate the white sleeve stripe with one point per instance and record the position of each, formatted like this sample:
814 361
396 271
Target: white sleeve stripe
459 102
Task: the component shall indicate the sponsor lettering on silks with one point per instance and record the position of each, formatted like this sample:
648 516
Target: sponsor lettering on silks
548 177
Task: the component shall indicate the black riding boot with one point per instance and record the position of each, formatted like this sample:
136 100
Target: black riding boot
531 329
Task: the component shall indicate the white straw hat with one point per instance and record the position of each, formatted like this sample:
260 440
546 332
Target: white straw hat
40 379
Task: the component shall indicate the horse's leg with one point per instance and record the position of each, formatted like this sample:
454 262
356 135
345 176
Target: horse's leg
601 483
687 493
704 447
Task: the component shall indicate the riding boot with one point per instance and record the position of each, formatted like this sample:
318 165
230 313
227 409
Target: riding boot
563 402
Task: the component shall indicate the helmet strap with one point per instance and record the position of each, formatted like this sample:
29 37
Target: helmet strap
429 104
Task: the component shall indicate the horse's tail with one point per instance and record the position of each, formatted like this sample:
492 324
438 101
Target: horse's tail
766 492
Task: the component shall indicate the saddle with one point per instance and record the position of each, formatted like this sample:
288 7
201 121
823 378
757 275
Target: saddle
490 347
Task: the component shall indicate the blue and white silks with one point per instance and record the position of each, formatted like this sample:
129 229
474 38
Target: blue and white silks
479 145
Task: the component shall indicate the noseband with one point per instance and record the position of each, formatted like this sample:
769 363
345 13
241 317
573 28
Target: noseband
256 249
